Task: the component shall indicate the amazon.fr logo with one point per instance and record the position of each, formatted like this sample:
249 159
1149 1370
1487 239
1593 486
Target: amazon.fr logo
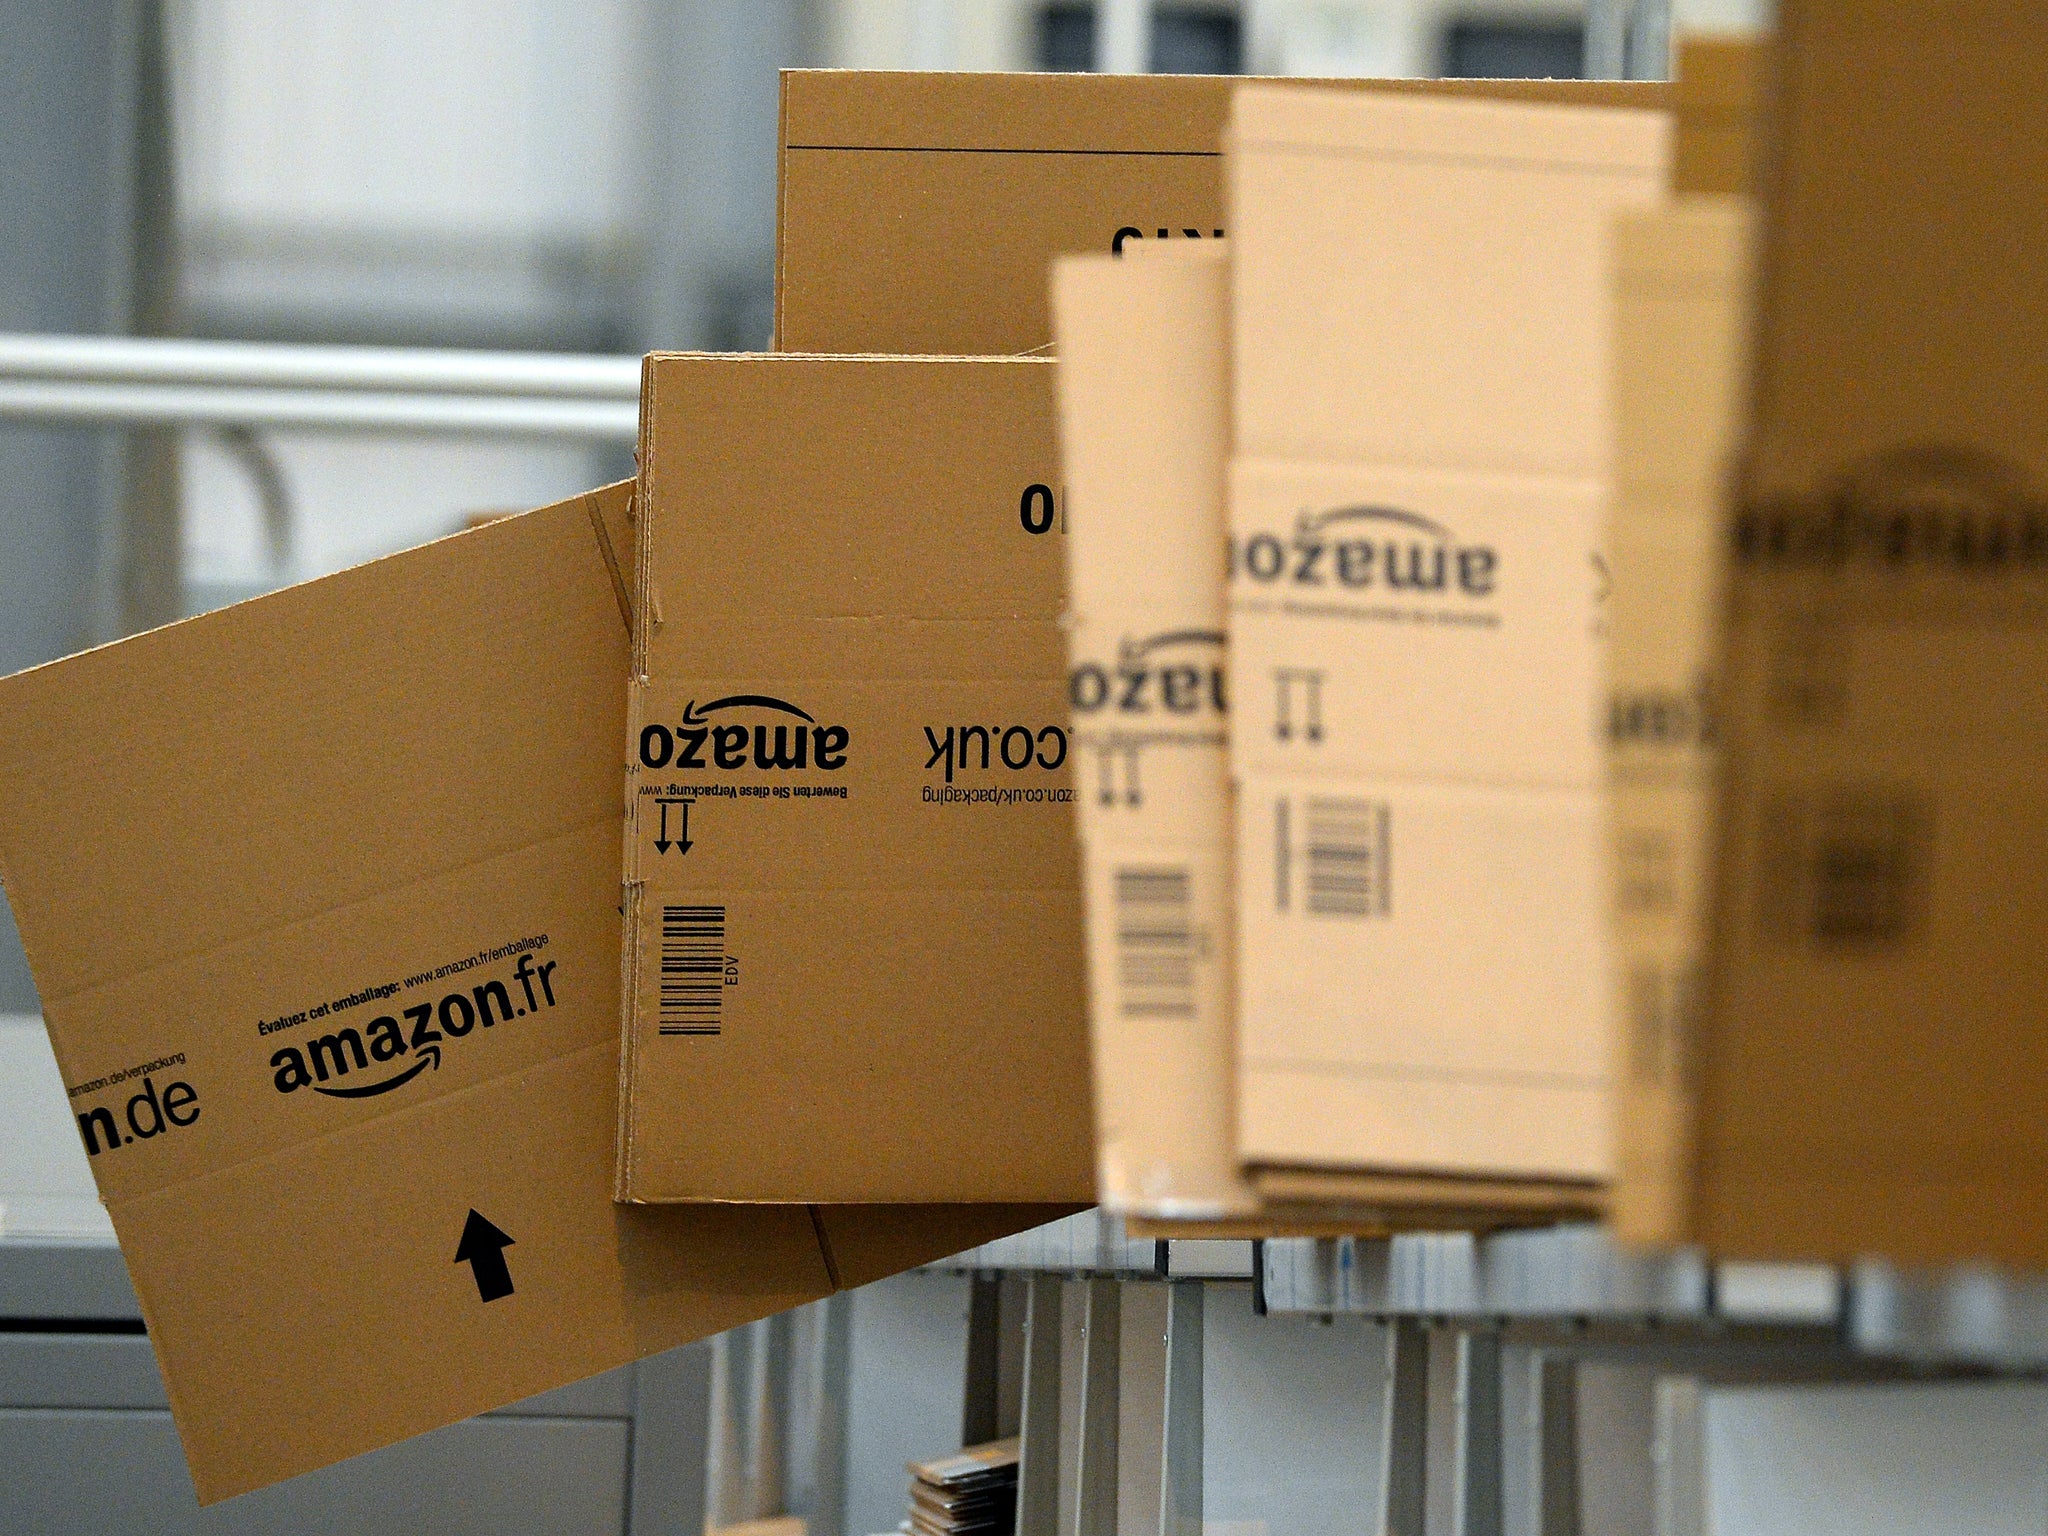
731 734
1357 549
393 1049
1174 675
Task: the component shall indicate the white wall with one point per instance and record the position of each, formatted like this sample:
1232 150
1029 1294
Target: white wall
46 1187
1290 1420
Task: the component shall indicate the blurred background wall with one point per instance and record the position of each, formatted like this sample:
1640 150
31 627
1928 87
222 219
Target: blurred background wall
573 175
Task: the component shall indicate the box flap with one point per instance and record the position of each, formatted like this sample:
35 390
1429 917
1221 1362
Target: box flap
321 894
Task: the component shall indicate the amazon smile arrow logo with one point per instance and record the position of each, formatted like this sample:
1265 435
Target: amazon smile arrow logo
430 1057
696 714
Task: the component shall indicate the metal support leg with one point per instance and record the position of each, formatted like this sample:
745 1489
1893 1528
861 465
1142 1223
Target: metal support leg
1180 1476
671 1441
1678 1459
1406 1446
827 1514
1013 1300
981 1400
1095 1480
726 1455
1038 1464
1559 1476
1481 1504
1141 1406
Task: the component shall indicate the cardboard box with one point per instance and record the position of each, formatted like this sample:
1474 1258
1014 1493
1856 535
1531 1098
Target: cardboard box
1680 356
918 210
320 892
1714 109
1144 431
1873 1073
853 943
1421 418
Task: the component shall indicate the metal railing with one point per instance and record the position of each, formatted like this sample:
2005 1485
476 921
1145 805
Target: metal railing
328 388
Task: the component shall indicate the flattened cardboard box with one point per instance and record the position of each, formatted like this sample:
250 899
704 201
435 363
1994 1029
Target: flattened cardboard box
1419 405
1873 1071
918 211
1144 430
1680 331
853 939
320 893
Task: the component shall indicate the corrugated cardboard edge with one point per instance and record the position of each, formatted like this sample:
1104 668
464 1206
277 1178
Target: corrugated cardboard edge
1425 1202
633 888
781 202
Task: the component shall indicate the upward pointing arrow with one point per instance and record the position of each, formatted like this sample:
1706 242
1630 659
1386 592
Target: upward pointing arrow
483 1249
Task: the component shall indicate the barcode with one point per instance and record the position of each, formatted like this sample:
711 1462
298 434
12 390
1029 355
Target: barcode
1348 857
1156 944
1660 1002
1646 872
1844 869
692 970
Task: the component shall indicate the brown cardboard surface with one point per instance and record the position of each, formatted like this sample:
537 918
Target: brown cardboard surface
1421 423
286 808
1680 355
1714 113
862 978
1144 432
1872 1069
918 211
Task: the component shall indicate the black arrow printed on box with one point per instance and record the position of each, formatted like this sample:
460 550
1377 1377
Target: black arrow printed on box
483 1249
682 838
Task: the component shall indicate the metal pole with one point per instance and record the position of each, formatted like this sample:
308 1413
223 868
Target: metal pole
1405 1430
1606 39
1101 1349
319 409
1180 1481
1628 39
1123 37
382 389
249 364
1038 1463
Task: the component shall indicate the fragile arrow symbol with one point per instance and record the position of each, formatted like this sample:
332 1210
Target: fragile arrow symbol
682 838
483 1249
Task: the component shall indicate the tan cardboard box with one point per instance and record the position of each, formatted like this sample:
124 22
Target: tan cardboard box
1680 355
1873 1072
1714 109
1421 419
320 892
918 210
853 939
1144 430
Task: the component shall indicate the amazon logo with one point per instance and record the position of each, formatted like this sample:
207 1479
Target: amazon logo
390 1051
730 734
1365 548
1177 672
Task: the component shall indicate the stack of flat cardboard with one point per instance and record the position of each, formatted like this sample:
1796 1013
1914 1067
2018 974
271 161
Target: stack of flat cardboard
1871 1068
1420 420
969 1494
1144 425
1144 378
324 892
1681 277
